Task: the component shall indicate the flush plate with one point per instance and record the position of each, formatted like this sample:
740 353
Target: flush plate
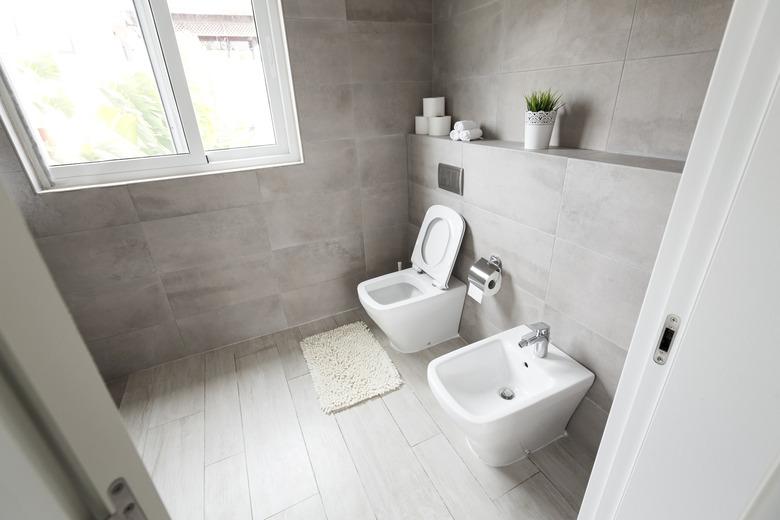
451 178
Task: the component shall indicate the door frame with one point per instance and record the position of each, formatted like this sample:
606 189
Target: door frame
743 81
46 363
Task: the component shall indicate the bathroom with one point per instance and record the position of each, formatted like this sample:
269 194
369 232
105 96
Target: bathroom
202 275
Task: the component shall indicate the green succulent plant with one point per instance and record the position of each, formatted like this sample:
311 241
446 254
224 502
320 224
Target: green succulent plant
543 101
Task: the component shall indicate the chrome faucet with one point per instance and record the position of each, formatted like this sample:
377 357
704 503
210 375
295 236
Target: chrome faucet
539 337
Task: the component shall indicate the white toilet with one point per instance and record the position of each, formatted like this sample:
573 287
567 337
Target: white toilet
421 306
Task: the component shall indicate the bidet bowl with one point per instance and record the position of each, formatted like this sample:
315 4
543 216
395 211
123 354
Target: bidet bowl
507 401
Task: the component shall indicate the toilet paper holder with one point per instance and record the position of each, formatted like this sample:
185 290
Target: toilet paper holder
482 270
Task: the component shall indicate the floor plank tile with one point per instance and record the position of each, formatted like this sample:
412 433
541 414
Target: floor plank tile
315 327
251 346
462 494
227 490
536 499
409 414
277 462
568 465
309 509
136 405
224 436
288 343
177 390
340 487
173 455
395 483
346 317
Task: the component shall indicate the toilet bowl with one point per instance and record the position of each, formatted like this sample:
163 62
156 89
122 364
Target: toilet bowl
421 306
506 400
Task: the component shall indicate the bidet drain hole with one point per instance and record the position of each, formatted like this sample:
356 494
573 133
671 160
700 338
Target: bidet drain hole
506 393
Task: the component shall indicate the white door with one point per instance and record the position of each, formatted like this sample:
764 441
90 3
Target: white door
699 437
46 365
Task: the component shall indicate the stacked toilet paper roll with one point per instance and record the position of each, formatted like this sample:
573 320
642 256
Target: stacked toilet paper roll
433 121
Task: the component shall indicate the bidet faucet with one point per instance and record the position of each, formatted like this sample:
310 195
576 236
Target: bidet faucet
539 337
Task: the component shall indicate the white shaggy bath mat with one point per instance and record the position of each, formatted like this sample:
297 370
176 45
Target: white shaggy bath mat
348 366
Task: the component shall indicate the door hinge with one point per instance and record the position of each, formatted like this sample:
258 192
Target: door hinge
124 501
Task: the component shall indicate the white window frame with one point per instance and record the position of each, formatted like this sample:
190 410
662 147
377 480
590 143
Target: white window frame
191 159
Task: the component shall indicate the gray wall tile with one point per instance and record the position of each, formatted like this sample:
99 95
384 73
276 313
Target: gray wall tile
474 99
119 309
307 264
124 354
200 289
319 51
315 9
324 111
385 51
589 92
617 211
544 33
664 27
58 213
163 199
422 198
389 10
473 325
443 9
320 300
587 424
603 294
425 154
495 178
650 121
381 160
299 219
384 247
468 44
387 108
384 205
328 166
233 323
181 242
88 261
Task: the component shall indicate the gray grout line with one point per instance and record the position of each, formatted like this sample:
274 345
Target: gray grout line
620 79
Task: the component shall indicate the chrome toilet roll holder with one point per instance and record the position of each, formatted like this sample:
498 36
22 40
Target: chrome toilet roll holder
482 269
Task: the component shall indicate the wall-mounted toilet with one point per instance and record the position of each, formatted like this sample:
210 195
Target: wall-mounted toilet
421 306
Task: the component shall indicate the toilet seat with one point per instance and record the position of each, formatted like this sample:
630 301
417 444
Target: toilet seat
438 243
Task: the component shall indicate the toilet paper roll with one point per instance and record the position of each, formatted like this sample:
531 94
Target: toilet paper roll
421 125
439 125
433 106
484 279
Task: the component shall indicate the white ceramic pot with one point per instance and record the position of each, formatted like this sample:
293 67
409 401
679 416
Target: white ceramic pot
538 129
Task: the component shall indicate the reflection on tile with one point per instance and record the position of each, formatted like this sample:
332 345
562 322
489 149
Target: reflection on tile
383 51
162 199
639 126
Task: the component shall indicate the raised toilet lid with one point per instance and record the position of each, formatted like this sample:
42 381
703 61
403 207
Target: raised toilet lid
438 243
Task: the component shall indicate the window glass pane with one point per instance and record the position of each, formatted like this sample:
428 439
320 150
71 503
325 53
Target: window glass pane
221 55
84 79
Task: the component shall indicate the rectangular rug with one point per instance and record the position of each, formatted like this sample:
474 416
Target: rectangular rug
348 366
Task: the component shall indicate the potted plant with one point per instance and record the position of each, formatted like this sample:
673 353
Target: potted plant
541 108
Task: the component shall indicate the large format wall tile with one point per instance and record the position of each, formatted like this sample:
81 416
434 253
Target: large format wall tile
389 10
468 44
307 264
525 187
382 204
659 104
320 300
443 9
387 108
324 111
88 261
203 238
425 154
328 166
422 198
155 200
615 210
589 92
555 33
306 218
385 247
318 51
384 51
664 27
382 160
474 99
70 211
603 294
334 9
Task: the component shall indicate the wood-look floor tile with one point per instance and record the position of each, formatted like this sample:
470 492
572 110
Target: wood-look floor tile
317 326
568 465
309 509
277 461
177 390
346 317
288 343
463 495
227 490
409 414
173 455
136 405
394 480
536 499
340 487
224 436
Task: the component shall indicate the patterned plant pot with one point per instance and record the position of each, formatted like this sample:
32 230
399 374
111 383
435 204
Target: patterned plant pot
538 129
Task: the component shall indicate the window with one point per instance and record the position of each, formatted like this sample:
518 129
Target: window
99 92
